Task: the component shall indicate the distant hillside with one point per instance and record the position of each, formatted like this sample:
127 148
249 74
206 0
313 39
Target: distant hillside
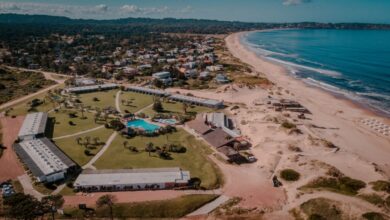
164 25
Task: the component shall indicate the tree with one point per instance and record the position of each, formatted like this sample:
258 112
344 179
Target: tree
78 139
96 140
21 206
149 147
157 106
185 106
125 143
107 200
52 203
87 141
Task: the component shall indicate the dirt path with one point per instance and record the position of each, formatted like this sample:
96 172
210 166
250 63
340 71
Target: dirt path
117 97
10 167
79 133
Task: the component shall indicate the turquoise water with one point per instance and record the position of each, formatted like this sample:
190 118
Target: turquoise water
139 123
352 63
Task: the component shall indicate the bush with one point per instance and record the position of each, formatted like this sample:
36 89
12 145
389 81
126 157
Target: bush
373 216
288 125
290 175
381 185
373 199
343 185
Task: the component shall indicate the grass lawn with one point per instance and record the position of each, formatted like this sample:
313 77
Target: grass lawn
21 108
177 108
194 160
105 98
62 126
173 208
76 151
138 101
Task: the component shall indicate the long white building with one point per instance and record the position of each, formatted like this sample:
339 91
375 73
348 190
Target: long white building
34 125
131 179
94 88
45 161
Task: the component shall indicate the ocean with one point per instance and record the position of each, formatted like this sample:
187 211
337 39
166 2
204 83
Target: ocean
351 63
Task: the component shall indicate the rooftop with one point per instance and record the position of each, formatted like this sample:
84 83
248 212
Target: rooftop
42 157
92 88
132 176
193 99
33 124
147 90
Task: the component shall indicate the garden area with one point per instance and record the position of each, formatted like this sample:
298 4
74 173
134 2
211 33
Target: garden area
132 102
100 99
176 108
133 153
82 148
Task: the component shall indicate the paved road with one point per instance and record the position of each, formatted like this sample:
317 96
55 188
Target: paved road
209 207
78 133
101 152
28 187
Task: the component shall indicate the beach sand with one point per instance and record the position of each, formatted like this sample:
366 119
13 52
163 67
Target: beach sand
362 153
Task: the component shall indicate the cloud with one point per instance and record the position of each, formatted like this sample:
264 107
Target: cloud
101 8
9 7
130 9
295 2
133 9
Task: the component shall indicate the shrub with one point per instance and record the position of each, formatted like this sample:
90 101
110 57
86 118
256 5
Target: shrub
288 125
343 185
373 216
373 199
381 185
290 175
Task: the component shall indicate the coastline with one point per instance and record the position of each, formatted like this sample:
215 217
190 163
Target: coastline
327 109
337 95
235 40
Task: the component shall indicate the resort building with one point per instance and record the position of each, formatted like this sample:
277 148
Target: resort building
148 91
94 88
34 126
164 77
211 103
131 179
220 120
218 138
45 161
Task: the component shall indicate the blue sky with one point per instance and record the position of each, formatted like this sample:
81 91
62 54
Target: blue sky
377 11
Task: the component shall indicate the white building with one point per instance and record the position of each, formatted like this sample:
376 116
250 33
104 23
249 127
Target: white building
34 125
131 179
45 161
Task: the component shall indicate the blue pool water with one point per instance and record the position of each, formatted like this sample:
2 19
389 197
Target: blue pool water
139 123
352 63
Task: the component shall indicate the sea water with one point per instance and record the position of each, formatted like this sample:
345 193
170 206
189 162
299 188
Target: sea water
352 63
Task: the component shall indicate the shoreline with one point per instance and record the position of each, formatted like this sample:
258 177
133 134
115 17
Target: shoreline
269 66
354 103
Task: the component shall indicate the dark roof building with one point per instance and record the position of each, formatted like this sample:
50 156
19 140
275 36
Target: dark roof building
218 138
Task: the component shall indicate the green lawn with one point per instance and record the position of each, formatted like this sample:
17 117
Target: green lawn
21 108
76 151
105 98
177 108
195 159
62 126
172 208
138 101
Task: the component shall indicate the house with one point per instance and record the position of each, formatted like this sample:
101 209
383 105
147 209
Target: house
144 67
218 138
85 81
215 68
220 120
204 75
164 77
231 155
198 125
192 73
131 179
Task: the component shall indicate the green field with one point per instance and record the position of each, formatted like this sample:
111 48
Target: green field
177 108
105 99
136 102
62 126
172 208
76 151
195 159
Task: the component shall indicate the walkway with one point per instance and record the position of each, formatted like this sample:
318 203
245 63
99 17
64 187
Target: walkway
142 109
101 152
28 187
79 133
117 96
209 207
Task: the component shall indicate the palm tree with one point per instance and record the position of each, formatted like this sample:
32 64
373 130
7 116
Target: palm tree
96 140
107 200
125 143
82 110
87 141
185 106
78 140
149 147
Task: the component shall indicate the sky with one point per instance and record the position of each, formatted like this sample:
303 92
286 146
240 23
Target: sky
369 11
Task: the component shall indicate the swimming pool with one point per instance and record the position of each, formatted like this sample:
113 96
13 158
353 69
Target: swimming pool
139 123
